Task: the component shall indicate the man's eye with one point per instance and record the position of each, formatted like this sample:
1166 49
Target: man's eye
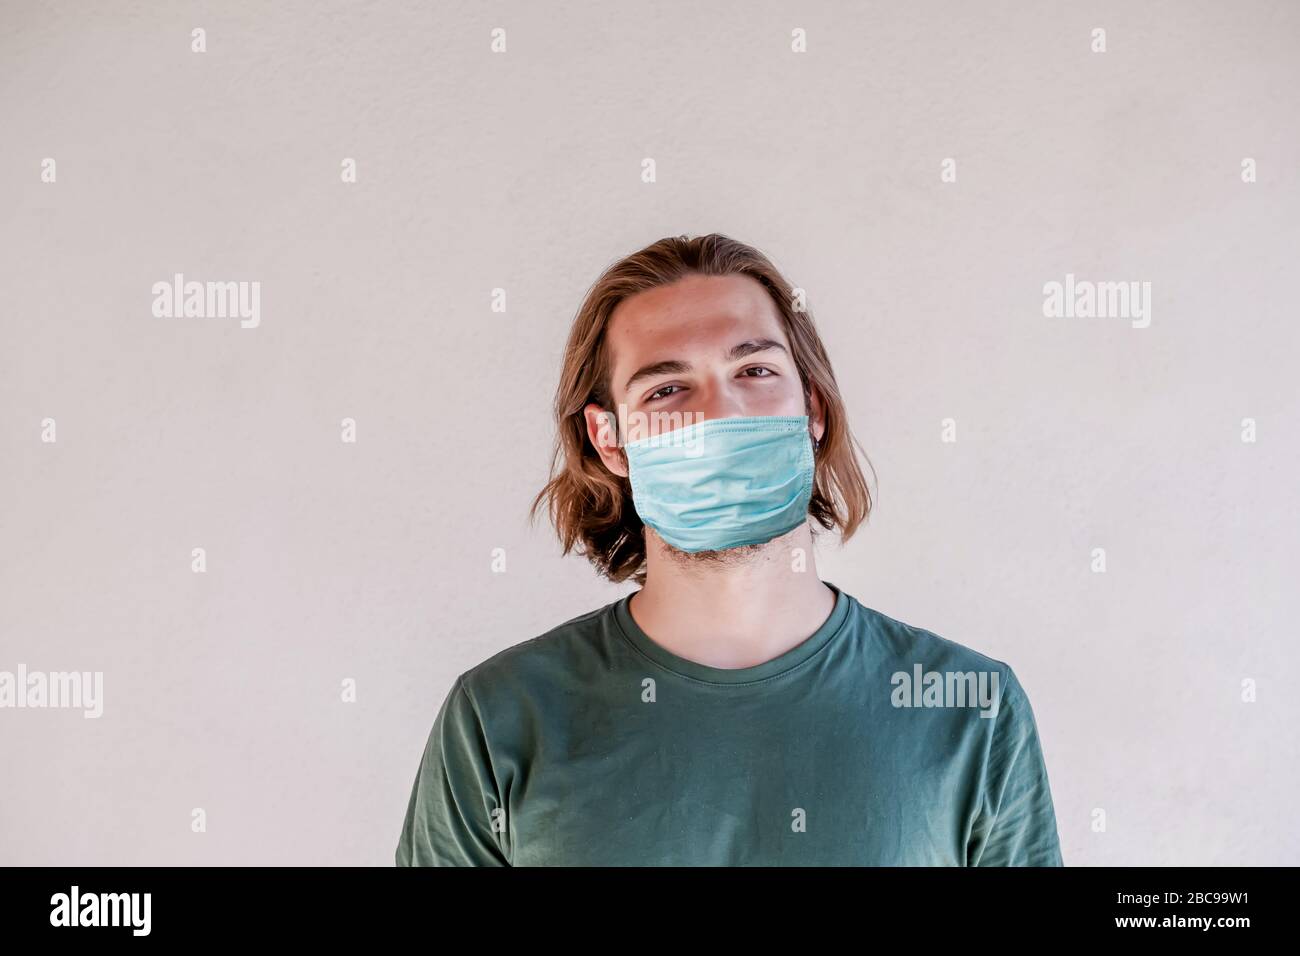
759 368
661 392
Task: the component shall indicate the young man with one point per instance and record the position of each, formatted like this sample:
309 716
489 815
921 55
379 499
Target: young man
736 709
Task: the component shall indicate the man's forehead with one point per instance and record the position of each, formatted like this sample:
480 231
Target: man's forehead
698 312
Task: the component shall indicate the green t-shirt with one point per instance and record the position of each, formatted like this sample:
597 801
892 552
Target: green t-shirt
871 743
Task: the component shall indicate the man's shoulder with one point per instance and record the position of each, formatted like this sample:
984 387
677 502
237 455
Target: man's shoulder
550 655
918 645
919 653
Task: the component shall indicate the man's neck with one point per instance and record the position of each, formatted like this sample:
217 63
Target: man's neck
741 611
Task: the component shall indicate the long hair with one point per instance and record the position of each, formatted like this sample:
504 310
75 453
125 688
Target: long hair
590 506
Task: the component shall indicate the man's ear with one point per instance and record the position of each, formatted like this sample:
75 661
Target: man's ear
816 415
602 432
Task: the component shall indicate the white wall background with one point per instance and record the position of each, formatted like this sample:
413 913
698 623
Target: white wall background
522 171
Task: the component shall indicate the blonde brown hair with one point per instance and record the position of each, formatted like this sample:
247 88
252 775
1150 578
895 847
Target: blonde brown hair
589 505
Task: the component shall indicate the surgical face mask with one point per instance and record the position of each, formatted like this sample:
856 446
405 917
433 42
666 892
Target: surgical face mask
723 482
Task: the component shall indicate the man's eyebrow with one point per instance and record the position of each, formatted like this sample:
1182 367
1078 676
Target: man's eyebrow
669 367
750 346
678 367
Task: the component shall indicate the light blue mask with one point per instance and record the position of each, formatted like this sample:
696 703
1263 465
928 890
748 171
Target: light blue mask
723 482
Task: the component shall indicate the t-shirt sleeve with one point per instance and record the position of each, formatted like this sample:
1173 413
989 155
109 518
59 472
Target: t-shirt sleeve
453 806
1016 822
